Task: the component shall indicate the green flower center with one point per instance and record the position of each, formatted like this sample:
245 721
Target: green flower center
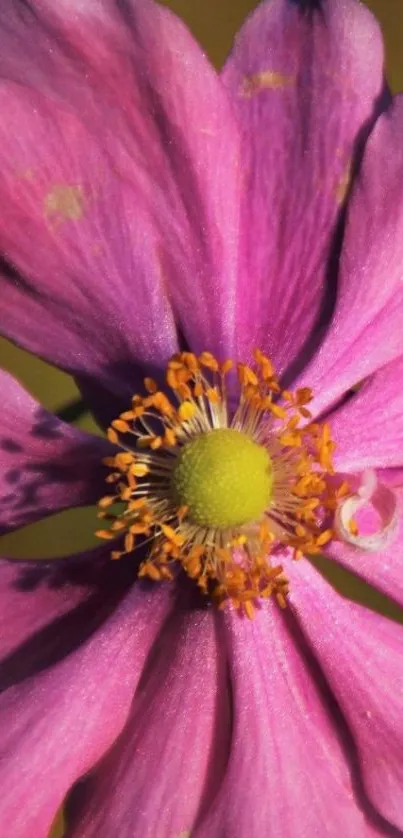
224 479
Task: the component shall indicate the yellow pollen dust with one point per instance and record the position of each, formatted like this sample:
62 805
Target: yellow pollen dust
65 203
217 493
265 80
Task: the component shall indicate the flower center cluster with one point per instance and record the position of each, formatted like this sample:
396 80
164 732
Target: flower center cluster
223 478
218 493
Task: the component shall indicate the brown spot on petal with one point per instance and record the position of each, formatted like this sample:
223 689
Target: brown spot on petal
343 185
265 80
64 203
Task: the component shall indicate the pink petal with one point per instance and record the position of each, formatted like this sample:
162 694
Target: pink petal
361 656
368 429
168 762
92 251
48 608
45 465
304 93
57 725
288 773
392 477
383 569
365 332
152 197
33 594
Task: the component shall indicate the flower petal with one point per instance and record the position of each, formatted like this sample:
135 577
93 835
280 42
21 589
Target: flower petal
45 464
383 569
58 724
288 772
361 656
130 224
91 299
368 428
365 332
168 762
305 95
47 608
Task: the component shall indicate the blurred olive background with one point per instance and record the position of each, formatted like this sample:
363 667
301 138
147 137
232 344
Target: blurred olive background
214 23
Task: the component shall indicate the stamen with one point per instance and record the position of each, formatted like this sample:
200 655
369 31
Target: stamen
216 492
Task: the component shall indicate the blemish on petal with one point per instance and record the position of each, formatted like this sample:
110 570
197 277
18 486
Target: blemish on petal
97 249
265 80
25 174
209 132
64 202
343 185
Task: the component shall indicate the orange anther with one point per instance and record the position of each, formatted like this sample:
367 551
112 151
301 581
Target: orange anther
198 389
191 361
213 395
169 438
249 609
172 535
112 436
139 503
129 542
121 426
108 500
108 461
150 385
246 375
139 469
324 537
275 409
303 396
126 493
186 411
206 359
107 534
123 459
226 367
156 443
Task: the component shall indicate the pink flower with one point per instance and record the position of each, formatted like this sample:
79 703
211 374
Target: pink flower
149 205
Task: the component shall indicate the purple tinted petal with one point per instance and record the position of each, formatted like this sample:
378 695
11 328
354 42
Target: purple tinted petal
33 594
58 724
143 218
168 762
48 608
288 774
45 465
304 93
365 332
368 429
361 656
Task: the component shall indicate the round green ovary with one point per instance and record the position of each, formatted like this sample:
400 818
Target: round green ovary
224 478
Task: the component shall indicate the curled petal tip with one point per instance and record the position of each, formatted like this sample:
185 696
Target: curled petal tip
378 498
